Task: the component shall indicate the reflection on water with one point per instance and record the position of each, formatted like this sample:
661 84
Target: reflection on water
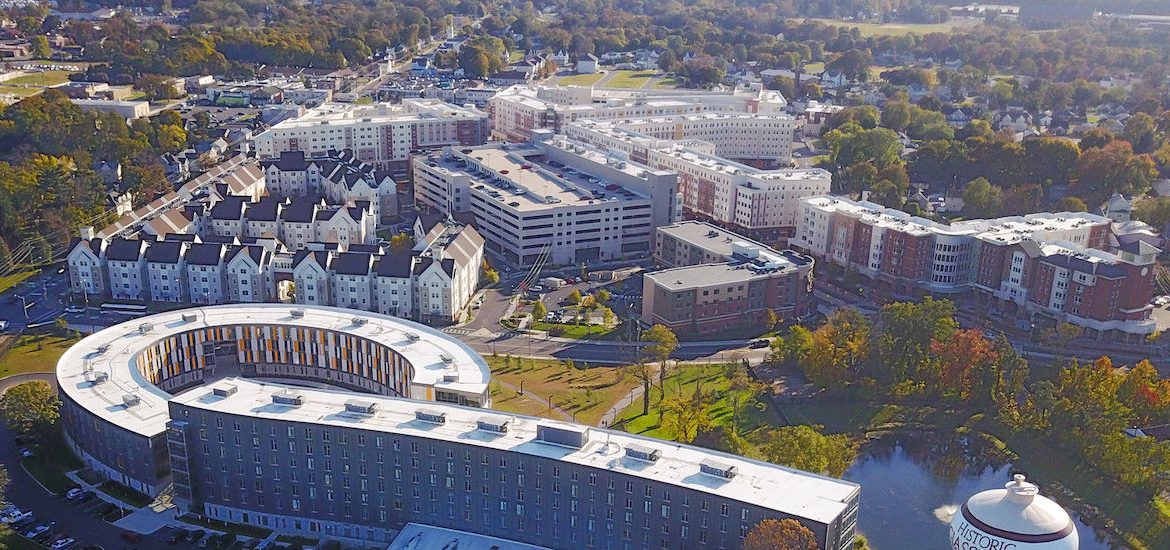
911 487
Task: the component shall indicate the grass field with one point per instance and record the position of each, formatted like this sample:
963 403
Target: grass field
586 392
18 91
34 353
17 542
580 79
683 380
580 332
666 83
50 463
46 78
629 79
893 29
15 278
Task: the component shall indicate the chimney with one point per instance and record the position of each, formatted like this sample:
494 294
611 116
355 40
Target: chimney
87 233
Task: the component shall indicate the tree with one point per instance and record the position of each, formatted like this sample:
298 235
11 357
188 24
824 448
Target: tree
604 296
833 353
853 64
981 199
687 415
743 393
771 319
401 243
5 257
855 177
1095 138
607 316
806 448
780 534
574 297
1113 168
661 343
1154 211
963 361
490 275
903 339
851 144
40 47
1141 131
539 312
896 115
30 406
644 373
886 193
156 86
1071 204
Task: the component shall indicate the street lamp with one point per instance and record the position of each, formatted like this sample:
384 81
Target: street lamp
24 308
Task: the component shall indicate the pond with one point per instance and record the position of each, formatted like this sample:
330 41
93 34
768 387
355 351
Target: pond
910 487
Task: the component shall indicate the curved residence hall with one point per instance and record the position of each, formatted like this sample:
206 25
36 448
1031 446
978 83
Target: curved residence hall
297 420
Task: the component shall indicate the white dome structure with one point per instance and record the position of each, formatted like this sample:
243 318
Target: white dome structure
1013 518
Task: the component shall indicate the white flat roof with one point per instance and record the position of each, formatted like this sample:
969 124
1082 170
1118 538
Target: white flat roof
416 536
785 490
149 417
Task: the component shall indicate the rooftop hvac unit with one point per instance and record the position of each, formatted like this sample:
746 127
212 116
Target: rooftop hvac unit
288 398
100 376
130 400
189 317
412 336
718 469
565 435
145 328
446 359
450 376
430 415
361 407
226 390
642 452
103 348
298 313
359 321
492 424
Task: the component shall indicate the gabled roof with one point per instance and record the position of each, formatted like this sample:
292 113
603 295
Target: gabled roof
320 257
352 263
230 208
165 252
267 209
124 250
205 254
289 161
394 265
1139 248
258 254
302 210
326 214
370 248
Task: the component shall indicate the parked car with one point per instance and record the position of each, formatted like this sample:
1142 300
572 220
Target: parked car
16 517
760 343
87 496
178 535
74 309
74 493
63 543
25 452
38 530
131 536
3 325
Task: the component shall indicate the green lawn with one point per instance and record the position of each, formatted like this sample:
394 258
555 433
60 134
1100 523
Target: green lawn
587 392
125 494
629 79
46 78
683 380
18 91
17 542
240 530
14 278
50 463
580 79
580 332
816 67
665 83
892 29
34 353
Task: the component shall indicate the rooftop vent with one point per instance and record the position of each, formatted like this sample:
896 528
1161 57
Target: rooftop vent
446 359
102 349
298 313
360 407
189 317
450 376
130 400
642 452
412 336
100 376
430 415
289 398
145 328
493 424
718 469
359 321
566 435
226 390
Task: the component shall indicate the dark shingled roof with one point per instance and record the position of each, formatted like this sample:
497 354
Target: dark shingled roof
352 263
321 257
394 265
371 248
267 209
258 254
302 210
165 252
124 250
230 208
289 161
205 254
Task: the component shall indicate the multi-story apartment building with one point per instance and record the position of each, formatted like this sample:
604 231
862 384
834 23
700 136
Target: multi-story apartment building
1024 265
716 280
249 274
125 264
86 264
335 464
758 139
166 263
551 200
206 283
517 111
382 135
339 177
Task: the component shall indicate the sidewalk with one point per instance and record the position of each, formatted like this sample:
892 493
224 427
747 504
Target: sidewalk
143 521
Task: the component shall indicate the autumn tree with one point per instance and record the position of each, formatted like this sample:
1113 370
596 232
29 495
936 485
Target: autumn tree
30 407
660 343
490 276
806 448
981 199
851 144
904 335
833 353
574 297
744 392
1154 211
780 534
401 243
1113 168
1071 204
686 415
963 361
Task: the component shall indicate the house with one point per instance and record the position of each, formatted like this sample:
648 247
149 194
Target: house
126 267
393 284
1117 208
311 277
297 222
165 267
262 218
175 167
446 269
562 59
226 217
588 64
249 275
205 273
1014 120
211 149
957 116
85 261
353 280
422 67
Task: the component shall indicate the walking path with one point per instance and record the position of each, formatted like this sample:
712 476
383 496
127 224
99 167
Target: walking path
565 415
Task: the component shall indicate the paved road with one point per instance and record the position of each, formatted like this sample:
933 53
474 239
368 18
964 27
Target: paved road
45 295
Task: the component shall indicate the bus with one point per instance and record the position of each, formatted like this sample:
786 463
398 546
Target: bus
133 310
